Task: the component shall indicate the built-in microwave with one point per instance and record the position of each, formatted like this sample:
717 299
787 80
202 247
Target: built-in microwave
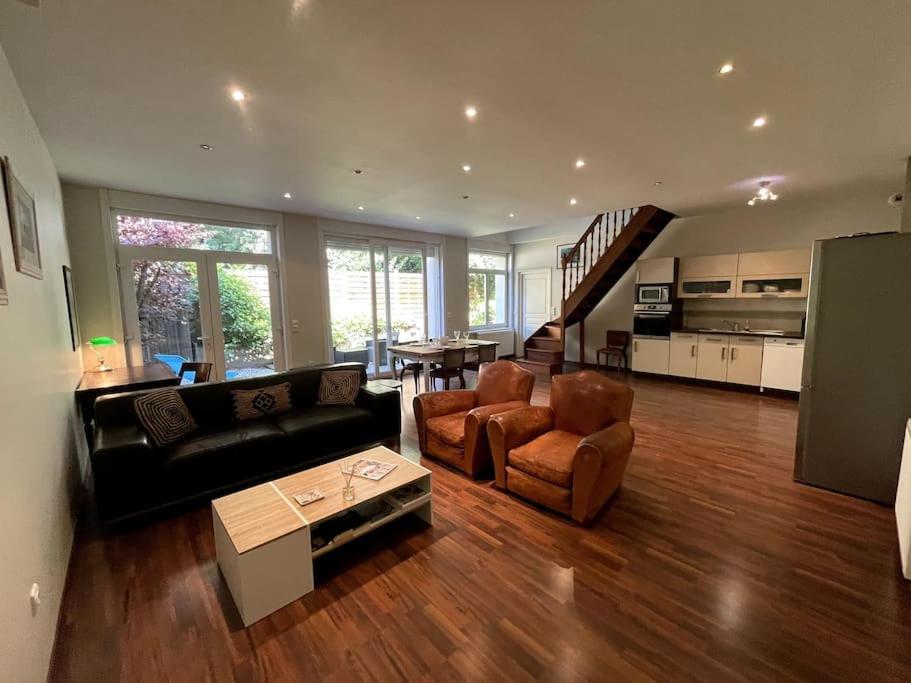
653 294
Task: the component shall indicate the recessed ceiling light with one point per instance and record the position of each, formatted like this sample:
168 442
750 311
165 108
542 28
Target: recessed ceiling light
466 168
287 195
360 208
759 122
471 111
512 215
726 68
238 95
206 147
357 171
580 163
464 196
417 218
657 183
573 201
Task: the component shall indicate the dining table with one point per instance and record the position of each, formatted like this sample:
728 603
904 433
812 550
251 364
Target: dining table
428 353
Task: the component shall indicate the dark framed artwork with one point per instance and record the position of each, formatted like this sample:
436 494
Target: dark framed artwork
71 306
23 223
563 251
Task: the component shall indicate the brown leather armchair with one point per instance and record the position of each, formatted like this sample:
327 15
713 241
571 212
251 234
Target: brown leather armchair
452 425
569 457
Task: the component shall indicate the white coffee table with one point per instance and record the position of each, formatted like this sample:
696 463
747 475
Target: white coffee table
263 538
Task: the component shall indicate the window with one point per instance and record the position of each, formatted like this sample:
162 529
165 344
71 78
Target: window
147 231
488 289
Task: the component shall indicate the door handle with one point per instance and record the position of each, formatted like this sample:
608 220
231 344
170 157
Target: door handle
635 346
724 352
693 351
734 353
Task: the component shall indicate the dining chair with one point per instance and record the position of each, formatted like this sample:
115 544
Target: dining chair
201 371
486 354
453 366
415 367
616 344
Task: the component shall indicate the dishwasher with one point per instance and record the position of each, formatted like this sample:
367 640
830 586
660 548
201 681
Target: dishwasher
782 364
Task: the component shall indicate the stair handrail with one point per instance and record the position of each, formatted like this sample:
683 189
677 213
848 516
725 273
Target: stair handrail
594 242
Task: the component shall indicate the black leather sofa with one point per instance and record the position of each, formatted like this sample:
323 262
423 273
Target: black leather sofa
133 476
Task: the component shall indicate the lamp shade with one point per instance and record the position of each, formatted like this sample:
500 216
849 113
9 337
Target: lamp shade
102 341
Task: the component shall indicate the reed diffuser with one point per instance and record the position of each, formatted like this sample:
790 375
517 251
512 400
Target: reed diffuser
348 469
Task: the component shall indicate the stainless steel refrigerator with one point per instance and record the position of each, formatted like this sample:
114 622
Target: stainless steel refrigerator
855 395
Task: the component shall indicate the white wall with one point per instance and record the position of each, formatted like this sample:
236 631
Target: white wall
787 224
40 444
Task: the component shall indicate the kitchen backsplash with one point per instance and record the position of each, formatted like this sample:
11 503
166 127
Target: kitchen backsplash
777 314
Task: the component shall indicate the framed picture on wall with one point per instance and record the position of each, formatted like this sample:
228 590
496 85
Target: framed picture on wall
71 306
562 252
23 223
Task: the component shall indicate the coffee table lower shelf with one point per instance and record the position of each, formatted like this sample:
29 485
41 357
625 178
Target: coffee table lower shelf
263 539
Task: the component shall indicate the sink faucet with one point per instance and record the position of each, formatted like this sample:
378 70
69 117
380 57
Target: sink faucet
734 327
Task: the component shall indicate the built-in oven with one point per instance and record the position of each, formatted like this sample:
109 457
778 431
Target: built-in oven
652 320
653 294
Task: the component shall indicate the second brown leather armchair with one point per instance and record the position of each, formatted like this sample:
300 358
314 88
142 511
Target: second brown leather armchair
452 425
570 456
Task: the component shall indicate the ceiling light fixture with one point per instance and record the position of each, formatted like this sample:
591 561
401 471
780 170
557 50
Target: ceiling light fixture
238 95
512 215
287 195
464 196
764 194
360 208
357 171
726 68
658 183
417 218
573 201
471 111
759 122
466 168
580 163
206 147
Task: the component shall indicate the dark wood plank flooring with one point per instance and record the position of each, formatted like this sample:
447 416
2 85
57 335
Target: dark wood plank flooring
710 564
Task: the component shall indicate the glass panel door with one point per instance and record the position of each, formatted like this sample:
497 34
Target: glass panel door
351 307
245 320
379 361
168 321
407 293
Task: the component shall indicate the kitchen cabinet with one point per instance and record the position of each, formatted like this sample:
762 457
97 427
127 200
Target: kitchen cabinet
787 286
782 364
712 357
651 354
708 277
745 360
682 358
656 271
780 262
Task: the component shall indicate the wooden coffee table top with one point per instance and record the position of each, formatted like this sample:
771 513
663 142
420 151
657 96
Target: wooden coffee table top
266 512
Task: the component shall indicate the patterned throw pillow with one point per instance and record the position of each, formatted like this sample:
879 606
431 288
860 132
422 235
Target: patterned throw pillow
164 416
250 404
339 387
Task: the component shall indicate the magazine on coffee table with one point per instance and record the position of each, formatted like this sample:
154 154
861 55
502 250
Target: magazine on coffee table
372 469
308 497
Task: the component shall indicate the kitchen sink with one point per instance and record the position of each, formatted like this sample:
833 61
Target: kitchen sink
714 330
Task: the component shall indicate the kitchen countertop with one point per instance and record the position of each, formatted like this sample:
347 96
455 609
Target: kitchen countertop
786 335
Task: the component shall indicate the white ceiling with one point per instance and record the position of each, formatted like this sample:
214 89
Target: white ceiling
124 92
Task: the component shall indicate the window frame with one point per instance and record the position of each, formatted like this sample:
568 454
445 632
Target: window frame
496 325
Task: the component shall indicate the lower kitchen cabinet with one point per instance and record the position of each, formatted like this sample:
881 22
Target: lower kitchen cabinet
651 355
712 357
745 360
682 362
782 364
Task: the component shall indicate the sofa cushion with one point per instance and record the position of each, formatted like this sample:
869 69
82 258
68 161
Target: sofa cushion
250 404
164 416
335 427
544 493
339 387
450 429
548 457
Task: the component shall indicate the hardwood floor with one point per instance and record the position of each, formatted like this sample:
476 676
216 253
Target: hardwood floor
710 564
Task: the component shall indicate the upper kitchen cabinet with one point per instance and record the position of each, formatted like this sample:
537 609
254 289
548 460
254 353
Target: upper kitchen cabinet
708 277
656 271
773 274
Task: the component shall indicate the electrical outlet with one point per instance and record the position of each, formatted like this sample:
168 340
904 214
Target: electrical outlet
34 598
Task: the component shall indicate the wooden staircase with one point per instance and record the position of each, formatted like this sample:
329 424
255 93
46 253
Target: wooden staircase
612 243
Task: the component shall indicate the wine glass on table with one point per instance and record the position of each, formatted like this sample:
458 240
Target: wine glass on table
457 334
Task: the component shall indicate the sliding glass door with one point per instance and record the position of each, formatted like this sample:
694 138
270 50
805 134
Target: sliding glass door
377 298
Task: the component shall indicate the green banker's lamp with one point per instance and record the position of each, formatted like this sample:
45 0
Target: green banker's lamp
98 343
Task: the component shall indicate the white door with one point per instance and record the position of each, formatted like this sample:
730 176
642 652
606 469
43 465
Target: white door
683 355
712 357
534 302
745 362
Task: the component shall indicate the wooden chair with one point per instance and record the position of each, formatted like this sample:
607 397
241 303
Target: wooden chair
201 371
472 335
486 354
453 366
616 344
